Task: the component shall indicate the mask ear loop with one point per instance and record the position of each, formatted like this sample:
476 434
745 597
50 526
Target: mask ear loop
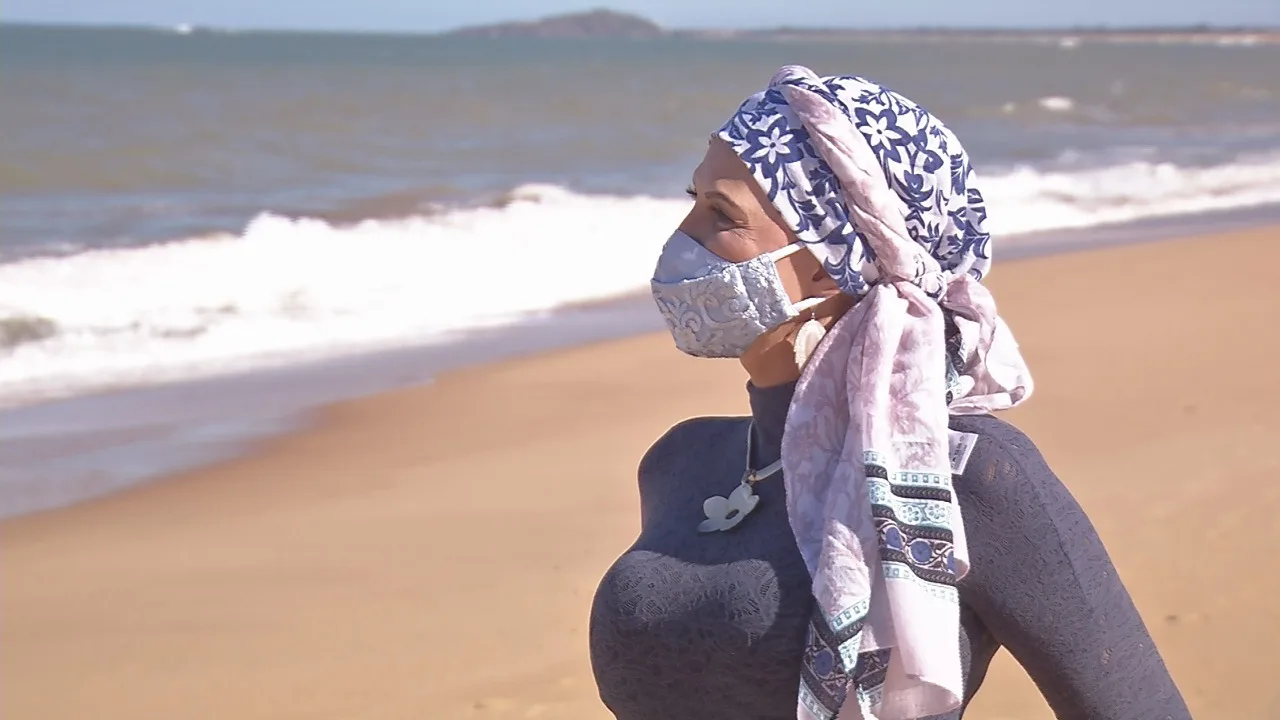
812 331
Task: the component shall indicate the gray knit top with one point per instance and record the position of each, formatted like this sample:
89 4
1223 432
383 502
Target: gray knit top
708 626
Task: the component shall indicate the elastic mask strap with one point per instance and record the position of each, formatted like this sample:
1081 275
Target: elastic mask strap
788 251
807 303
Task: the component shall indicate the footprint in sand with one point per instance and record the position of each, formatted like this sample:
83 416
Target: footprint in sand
496 705
507 707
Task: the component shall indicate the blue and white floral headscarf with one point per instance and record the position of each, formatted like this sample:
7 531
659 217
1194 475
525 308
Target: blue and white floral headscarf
925 165
883 195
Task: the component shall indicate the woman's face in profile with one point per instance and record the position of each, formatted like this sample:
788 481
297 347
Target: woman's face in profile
732 217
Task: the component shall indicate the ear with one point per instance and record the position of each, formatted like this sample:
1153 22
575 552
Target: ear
813 276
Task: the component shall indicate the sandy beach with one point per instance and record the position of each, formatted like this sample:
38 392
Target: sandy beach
432 552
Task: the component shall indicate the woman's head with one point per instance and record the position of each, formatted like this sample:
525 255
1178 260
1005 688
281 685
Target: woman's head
810 143
792 165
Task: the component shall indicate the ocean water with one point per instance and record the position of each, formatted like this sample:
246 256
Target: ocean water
177 204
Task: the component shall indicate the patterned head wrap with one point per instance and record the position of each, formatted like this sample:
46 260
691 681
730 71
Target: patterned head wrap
883 195
922 162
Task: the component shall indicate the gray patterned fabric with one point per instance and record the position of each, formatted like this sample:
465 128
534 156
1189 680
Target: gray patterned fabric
715 308
688 626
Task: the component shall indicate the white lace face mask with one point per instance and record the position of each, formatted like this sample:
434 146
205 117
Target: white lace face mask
716 308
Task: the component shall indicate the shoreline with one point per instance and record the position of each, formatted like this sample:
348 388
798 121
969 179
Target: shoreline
69 450
433 550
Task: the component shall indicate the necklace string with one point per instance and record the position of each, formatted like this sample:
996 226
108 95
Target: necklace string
750 476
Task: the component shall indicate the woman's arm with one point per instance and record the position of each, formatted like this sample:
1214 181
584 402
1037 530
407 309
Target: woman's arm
1045 588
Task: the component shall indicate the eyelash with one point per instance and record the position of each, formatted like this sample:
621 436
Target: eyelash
691 192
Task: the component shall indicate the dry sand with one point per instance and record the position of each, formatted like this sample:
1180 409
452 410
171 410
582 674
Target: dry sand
432 552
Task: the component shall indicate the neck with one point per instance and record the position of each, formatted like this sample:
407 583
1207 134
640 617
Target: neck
773 366
769 408
771 360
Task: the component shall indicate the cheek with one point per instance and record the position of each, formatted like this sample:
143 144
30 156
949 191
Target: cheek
753 239
804 277
737 245
734 244
795 289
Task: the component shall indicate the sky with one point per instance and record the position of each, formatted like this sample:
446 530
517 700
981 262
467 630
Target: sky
436 15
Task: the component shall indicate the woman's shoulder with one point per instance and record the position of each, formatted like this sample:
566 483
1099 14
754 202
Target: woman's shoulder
695 436
700 439
999 442
695 459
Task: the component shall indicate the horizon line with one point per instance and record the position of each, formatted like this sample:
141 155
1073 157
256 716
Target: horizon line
1097 28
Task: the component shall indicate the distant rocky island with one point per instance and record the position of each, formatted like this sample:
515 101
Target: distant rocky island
611 24
596 23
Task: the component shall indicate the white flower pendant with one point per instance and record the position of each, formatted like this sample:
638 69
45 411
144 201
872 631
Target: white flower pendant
725 513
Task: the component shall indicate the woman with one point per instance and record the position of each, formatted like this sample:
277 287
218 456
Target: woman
871 536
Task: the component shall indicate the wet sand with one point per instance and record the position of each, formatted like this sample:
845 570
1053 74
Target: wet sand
432 551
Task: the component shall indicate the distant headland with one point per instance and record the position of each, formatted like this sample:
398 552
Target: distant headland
596 23
611 24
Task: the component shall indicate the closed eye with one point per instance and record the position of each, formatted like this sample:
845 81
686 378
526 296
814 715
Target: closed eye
719 211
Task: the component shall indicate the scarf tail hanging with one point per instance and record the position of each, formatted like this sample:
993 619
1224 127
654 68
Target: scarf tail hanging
870 502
